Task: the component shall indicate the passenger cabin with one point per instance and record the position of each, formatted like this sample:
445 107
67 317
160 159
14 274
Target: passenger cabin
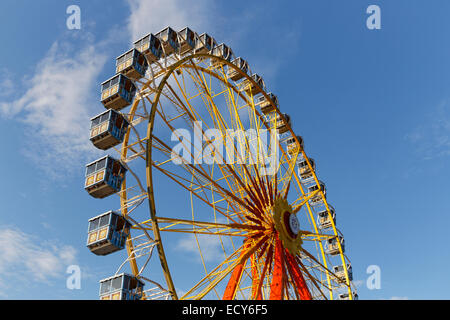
118 92
186 40
345 296
282 123
252 89
241 64
317 197
332 246
104 177
292 147
132 64
169 40
266 105
107 233
303 169
340 272
204 44
108 129
150 47
221 51
121 287
324 219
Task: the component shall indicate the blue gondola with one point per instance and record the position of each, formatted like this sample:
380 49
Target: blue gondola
150 47
303 169
132 64
205 43
282 123
169 40
241 64
251 88
104 177
117 92
332 245
108 129
186 40
292 147
345 296
317 197
221 51
266 104
121 287
324 220
107 233
340 272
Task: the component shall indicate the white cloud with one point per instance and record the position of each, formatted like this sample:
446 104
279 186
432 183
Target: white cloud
56 105
358 283
431 138
399 298
154 15
26 258
210 246
6 84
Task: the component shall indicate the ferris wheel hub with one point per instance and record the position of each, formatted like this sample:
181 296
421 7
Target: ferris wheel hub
287 225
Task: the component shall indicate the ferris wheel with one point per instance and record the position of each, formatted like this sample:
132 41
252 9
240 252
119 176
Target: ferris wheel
218 199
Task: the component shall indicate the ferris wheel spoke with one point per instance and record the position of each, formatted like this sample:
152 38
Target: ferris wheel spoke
320 265
313 280
200 171
267 262
205 200
297 277
218 274
279 273
233 229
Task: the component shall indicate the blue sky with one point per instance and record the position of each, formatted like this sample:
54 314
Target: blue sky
372 105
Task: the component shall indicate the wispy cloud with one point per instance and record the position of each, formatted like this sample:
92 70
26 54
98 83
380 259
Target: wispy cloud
431 138
56 104
398 298
6 83
211 247
153 15
27 259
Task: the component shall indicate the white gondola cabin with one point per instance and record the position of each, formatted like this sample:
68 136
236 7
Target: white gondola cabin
132 64
345 296
104 177
292 147
108 129
117 92
324 220
252 89
340 272
150 47
107 233
282 123
121 287
186 40
204 44
268 106
241 64
332 246
221 51
317 197
304 170
169 40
